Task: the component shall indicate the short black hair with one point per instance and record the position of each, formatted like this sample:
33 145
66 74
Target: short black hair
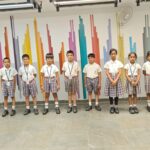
6 58
25 56
134 53
91 55
70 52
49 55
112 50
148 54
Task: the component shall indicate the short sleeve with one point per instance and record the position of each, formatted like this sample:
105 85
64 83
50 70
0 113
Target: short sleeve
42 69
120 65
64 68
99 69
15 72
20 71
144 67
126 67
34 70
56 69
0 72
78 67
85 69
106 66
138 66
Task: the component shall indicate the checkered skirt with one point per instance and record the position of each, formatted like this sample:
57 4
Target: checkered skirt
147 84
113 91
130 89
50 87
30 89
72 85
8 90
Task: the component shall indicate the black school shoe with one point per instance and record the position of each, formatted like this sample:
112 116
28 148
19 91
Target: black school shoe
45 111
116 110
98 107
5 113
112 110
57 110
36 111
131 110
69 110
136 111
27 111
75 109
88 108
148 108
13 112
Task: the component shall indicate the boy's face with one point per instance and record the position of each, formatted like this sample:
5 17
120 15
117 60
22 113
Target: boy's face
113 55
26 61
132 58
148 58
49 61
7 63
91 60
70 57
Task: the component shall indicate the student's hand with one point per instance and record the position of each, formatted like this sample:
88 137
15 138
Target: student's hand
42 88
113 83
58 87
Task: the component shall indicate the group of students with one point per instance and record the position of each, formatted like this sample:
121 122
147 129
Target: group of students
50 82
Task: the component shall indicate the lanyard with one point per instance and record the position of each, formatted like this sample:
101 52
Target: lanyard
8 75
132 72
70 69
26 69
49 73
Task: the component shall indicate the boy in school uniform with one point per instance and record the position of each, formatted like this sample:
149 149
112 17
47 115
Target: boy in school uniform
71 72
113 84
50 82
8 85
146 72
132 71
28 73
92 80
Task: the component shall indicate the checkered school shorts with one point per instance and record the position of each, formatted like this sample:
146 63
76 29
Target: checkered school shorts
29 89
72 85
92 85
147 84
133 89
50 87
113 91
8 90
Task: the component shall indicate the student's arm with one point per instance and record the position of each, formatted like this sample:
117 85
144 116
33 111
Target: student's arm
15 79
108 75
118 75
0 82
126 74
99 76
58 80
138 77
42 80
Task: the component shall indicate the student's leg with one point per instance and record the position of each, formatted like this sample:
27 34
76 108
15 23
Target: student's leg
112 109
135 103
130 101
46 103
148 102
74 100
27 111
89 107
97 106
56 103
116 99
69 102
13 111
5 112
36 112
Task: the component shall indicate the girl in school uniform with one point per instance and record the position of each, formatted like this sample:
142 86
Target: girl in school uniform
113 84
132 72
146 72
50 82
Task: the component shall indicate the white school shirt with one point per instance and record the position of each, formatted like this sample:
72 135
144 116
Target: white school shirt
146 67
132 69
49 71
113 66
70 69
92 70
27 73
8 74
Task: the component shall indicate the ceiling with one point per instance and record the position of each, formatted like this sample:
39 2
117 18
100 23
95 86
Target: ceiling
49 8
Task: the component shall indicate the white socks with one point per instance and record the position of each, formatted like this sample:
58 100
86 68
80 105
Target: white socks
35 107
46 105
56 104
96 103
90 103
27 107
13 107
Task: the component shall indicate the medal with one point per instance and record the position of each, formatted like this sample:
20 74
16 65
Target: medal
27 72
8 83
49 73
70 71
8 77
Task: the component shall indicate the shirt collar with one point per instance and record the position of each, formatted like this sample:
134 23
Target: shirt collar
113 61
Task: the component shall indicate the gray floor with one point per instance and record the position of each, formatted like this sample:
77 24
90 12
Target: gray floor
82 131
